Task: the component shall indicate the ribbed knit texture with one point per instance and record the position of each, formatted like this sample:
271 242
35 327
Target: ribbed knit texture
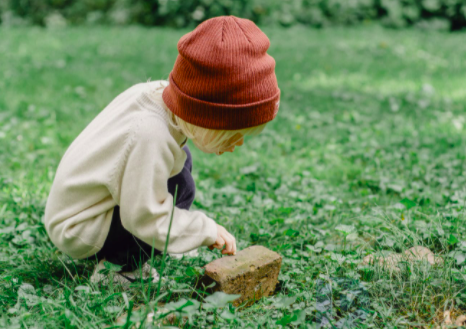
223 77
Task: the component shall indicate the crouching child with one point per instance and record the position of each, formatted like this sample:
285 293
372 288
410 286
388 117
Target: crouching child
112 195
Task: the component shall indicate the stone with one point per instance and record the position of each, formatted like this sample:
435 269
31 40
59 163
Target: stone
417 253
423 253
461 320
390 262
368 260
251 273
448 321
447 318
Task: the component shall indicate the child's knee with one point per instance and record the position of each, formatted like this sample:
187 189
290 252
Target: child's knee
76 240
64 240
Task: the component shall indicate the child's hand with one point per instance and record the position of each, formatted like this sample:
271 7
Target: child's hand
224 238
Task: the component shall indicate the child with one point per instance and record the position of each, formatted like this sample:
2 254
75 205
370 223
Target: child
112 195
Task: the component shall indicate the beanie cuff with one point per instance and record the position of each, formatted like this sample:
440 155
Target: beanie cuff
216 115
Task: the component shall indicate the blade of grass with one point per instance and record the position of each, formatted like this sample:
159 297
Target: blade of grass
162 267
128 316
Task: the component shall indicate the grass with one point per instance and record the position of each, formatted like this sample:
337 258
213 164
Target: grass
367 155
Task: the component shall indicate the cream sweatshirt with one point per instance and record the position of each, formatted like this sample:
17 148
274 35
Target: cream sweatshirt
123 157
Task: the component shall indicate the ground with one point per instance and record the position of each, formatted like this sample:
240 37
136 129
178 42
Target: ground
366 156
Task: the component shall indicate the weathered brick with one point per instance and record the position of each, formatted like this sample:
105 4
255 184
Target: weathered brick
252 273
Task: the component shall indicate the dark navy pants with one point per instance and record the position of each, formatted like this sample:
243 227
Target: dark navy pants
123 248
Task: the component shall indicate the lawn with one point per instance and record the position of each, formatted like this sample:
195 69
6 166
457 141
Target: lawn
367 156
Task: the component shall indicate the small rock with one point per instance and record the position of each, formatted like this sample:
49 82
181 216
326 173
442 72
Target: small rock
461 320
391 261
368 260
422 253
252 273
447 321
447 318
388 262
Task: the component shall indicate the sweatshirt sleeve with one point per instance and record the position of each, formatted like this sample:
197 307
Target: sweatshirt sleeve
146 204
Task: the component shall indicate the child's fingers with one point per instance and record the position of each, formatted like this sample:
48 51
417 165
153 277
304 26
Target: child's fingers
230 242
233 252
224 238
219 243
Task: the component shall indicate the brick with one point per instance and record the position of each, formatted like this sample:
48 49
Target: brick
252 273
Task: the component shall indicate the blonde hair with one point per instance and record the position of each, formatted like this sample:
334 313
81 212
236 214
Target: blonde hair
208 140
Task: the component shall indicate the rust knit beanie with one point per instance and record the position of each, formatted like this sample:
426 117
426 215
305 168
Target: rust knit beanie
223 77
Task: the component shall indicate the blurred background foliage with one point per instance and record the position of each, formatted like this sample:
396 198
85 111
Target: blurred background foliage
427 14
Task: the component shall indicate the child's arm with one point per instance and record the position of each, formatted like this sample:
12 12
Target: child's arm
152 155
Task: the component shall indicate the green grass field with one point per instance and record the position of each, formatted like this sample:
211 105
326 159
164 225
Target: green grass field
367 156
